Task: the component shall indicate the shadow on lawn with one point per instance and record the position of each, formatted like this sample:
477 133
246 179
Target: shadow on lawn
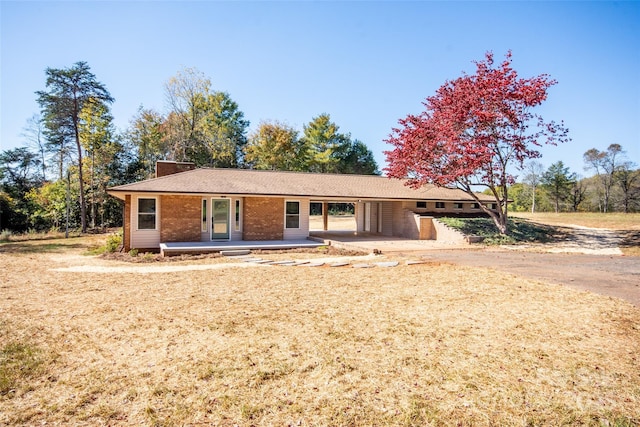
35 248
520 231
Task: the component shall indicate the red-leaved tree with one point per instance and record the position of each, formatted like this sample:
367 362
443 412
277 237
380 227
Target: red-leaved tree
474 130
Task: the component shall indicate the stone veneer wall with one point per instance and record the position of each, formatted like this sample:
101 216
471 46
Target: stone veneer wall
263 218
180 219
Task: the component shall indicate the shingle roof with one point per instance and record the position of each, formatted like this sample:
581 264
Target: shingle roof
277 183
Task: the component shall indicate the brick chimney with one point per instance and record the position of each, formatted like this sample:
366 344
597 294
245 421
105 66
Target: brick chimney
166 167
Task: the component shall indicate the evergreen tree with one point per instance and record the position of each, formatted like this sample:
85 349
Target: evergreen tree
325 144
356 158
68 91
558 182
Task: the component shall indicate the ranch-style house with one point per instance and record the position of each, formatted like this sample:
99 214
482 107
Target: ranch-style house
187 204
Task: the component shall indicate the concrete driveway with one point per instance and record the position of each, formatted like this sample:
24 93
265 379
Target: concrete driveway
612 275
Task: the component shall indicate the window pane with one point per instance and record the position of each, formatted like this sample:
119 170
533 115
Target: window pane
293 208
146 221
204 215
293 221
146 214
237 215
220 227
147 206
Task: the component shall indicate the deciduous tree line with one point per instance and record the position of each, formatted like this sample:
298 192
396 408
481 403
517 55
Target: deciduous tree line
73 152
613 186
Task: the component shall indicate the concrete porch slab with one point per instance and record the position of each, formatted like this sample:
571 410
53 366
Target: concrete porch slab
204 247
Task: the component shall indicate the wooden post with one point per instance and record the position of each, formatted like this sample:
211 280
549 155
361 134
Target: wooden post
325 215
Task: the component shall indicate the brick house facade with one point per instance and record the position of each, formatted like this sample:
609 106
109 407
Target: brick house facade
263 218
184 204
180 219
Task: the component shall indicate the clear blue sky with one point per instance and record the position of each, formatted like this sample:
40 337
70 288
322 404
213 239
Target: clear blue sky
367 64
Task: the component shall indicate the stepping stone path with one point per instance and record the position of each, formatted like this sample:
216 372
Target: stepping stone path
298 263
311 263
338 264
387 264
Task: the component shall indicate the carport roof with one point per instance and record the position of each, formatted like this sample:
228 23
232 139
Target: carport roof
290 184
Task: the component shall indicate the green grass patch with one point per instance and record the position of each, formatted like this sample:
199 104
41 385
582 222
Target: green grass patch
28 248
519 230
18 362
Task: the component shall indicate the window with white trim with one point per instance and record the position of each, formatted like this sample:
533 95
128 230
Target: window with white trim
292 214
237 223
146 214
204 216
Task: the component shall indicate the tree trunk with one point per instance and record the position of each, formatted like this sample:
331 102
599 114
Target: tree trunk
68 207
502 224
83 207
93 192
533 202
499 218
61 165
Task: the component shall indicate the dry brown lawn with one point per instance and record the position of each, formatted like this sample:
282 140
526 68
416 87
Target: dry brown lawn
612 220
426 344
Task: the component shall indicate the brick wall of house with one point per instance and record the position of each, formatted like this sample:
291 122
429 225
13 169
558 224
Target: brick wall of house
263 218
180 218
126 227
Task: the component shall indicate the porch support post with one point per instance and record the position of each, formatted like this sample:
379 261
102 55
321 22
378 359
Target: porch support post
325 215
355 215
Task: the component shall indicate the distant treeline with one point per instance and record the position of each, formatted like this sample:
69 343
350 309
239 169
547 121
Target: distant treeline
613 187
